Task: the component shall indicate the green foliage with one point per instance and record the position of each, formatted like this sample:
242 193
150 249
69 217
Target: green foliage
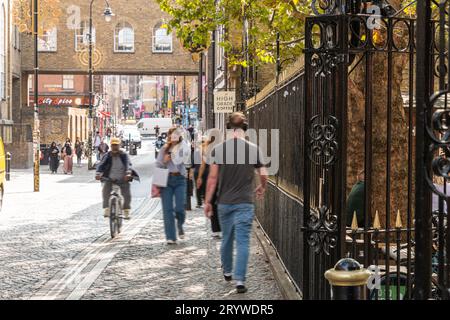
193 21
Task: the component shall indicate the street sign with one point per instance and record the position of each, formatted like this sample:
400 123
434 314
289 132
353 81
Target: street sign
224 101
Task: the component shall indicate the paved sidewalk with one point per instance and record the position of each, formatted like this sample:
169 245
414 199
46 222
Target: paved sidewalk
56 244
149 269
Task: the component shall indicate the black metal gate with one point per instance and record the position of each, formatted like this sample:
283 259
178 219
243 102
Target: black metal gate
326 64
362 133
433 152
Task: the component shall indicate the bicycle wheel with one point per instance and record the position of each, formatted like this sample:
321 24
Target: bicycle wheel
112 218
119 219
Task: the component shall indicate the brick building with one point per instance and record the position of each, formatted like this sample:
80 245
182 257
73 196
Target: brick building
63 106
124 46
7 67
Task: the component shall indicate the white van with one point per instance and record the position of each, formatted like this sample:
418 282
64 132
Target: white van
146 126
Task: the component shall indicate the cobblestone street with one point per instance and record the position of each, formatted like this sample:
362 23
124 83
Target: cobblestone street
148 269
56 245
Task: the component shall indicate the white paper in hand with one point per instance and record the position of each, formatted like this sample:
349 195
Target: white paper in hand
160 177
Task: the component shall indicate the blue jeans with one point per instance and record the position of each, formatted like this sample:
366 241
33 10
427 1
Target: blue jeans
236 224
176 187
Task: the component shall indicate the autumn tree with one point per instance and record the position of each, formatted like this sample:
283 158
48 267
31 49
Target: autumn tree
194 20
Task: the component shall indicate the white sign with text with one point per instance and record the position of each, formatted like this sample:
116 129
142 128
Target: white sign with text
224 101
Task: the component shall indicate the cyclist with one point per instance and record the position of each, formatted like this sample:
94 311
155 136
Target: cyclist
115 166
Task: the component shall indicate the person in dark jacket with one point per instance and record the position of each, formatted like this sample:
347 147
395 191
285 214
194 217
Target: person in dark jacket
54 157
78 151
116 166
67 154
355 202
103 148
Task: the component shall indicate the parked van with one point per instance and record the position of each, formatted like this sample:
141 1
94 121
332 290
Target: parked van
146 126
2 171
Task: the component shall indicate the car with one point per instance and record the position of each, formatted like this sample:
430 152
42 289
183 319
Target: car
2 171
131 134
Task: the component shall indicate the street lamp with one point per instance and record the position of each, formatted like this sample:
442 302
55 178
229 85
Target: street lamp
36 135
108 14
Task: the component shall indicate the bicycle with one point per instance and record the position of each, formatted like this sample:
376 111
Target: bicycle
115 208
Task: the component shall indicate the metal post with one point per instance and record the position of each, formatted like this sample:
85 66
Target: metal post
278 58
36 136
348 280
8 166
200 89
422 287
91 123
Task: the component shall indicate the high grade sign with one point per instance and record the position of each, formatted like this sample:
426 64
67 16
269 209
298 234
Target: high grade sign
66 101
224 101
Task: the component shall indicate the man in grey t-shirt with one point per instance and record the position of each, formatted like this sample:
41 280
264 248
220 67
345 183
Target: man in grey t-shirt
232 169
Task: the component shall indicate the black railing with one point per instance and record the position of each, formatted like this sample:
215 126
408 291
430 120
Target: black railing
281 213
348 135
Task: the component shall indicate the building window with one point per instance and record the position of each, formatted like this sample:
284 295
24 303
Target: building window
82 36
2 54
220 52
68 82
16 38
162 40
48 41
123 37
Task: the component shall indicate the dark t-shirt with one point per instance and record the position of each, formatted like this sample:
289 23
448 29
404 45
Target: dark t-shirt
237 160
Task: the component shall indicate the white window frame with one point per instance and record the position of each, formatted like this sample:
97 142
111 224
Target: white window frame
82 36
68 82
155 37
49 41
120 27
2 53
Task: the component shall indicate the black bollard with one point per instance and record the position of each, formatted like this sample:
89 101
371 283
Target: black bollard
348 280
8 166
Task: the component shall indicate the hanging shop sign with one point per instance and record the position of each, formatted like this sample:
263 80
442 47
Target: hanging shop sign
224 101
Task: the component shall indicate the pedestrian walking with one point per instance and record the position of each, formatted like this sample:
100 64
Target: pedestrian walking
235 179
103 148
97 142
67 155
201 180
197 160
78 151
173 156
191 131
54 158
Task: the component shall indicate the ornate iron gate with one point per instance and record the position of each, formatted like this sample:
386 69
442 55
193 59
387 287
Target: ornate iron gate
360 120
326 65
433 150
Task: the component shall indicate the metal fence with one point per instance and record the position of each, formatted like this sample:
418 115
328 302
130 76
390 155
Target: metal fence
280 214
356 173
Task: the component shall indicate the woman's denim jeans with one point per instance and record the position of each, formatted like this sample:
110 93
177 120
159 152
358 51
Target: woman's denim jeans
236 223
176 187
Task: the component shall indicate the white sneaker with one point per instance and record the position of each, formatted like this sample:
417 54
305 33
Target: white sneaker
171 242
217 235
106 212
